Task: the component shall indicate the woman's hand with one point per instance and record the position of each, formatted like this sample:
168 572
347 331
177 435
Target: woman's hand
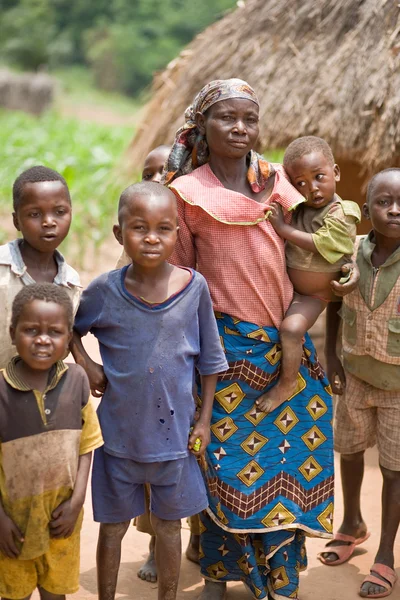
202 432
336 374
9 533
342 289
97 379
64 518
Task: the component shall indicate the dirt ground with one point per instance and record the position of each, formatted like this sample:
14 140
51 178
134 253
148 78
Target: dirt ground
317 583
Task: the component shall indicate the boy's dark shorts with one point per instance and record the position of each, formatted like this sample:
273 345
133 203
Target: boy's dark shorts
177 488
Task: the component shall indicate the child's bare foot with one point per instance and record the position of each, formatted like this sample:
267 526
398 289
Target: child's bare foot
213 590
276 396
148 571
192 551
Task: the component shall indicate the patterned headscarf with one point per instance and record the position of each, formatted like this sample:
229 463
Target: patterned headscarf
190 149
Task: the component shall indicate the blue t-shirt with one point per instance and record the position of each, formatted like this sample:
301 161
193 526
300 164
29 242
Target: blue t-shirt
149 356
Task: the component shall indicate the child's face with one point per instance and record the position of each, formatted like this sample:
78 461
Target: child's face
154 164
42 334
315 178
149 229
44 215
384 205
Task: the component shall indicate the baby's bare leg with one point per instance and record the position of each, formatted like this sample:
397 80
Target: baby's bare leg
168 556
301 315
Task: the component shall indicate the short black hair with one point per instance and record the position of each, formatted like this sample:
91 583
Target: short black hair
49 292
35 174
372 182
305 145
142 188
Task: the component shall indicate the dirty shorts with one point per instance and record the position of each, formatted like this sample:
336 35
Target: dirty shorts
56 571
118 488
365 416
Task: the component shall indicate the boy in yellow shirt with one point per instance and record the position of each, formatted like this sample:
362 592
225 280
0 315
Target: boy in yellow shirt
48 430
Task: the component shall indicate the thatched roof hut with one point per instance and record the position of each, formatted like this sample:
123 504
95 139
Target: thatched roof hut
320 67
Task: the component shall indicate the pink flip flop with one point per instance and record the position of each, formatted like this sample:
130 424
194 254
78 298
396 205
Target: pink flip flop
385 572
343 552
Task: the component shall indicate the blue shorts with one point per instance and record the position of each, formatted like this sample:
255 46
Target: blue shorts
177 488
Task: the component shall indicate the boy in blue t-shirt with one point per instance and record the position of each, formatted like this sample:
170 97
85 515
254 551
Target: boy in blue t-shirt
155 325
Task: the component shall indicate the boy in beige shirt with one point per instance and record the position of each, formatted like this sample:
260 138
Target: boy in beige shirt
367 380
42 214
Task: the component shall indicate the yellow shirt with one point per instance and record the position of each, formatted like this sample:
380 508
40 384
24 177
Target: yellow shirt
333 229
42 436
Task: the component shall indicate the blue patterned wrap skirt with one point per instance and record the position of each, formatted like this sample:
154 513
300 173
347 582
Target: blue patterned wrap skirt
269 476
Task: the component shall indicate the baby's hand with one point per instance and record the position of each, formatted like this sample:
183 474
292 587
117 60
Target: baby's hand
342 289
201 432
64 518
276 216
9 532
97 379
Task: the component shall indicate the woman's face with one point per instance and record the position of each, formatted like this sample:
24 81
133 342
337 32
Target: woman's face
231 127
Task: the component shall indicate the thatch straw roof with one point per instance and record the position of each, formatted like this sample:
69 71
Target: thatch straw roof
320 67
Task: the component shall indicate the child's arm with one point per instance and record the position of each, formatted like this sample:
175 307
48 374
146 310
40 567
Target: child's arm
287 232
202 427
64 517
94 371
9 532
335 371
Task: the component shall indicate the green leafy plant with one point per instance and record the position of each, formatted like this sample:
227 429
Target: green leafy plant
86 154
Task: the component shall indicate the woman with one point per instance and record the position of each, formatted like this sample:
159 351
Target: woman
270 476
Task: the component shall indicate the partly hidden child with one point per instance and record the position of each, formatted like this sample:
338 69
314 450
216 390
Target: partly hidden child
42 214
152 171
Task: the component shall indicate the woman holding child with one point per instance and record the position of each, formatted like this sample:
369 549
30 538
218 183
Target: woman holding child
270 474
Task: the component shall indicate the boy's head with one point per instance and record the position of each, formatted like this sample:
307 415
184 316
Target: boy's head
312 170
42 208
41 324
148 223
154 163
383 203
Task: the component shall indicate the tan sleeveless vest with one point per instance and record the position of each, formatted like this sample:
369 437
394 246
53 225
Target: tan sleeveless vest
371 314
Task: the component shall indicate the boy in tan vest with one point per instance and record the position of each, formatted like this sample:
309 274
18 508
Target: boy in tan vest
368 382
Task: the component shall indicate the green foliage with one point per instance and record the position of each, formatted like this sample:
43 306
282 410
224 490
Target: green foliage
124 41
275 156
86 154
78 87
141 37
26 30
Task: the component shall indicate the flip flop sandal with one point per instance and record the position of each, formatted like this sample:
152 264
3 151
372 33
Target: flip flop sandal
385 572
345 551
